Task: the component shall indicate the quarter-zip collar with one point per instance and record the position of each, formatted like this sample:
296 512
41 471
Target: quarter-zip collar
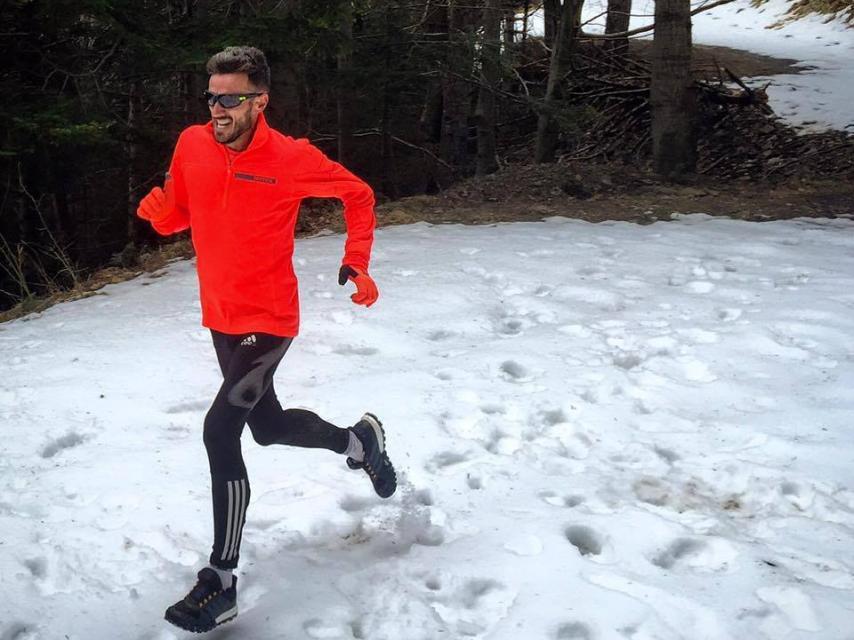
259 137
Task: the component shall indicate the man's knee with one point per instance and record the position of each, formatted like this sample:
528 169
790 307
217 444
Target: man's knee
218 434
263 435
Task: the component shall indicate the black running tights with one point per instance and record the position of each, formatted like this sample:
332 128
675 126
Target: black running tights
246 396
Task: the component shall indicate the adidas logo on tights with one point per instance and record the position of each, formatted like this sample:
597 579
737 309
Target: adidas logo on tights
248 341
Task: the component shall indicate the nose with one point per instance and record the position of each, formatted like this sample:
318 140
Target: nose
217 109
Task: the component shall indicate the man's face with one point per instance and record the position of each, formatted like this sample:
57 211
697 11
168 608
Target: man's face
234 127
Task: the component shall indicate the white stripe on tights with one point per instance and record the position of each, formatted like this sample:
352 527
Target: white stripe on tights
242 518
239 515
230 486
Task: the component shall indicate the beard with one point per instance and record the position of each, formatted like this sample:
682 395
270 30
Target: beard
239 125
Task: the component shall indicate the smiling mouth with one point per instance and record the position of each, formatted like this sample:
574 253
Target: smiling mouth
222 123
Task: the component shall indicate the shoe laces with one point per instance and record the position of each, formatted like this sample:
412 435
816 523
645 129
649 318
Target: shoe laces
202 593
384 462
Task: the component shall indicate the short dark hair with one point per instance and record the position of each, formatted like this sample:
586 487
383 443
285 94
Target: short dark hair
248 60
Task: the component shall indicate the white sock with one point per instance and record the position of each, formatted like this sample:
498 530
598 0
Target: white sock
355 449
225 576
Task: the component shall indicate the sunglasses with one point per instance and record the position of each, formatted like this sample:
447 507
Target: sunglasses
228 100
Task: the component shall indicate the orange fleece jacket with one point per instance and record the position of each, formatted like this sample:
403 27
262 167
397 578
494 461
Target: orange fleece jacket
242 209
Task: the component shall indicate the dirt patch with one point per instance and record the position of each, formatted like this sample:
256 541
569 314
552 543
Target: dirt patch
637 197
706 60
599 192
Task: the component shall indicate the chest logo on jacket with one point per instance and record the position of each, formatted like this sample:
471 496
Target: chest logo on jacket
252 178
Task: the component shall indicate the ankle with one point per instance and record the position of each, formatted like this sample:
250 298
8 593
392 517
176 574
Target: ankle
355 450
226 577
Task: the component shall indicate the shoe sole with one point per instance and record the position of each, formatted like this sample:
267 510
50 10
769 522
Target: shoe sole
195 629
377 426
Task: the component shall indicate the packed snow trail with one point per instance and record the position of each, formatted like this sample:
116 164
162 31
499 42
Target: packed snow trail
602 431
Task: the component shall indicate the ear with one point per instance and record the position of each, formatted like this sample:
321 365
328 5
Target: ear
260 103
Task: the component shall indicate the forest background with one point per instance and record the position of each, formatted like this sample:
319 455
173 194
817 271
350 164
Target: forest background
452 110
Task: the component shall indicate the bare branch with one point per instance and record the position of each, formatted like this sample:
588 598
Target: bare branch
651 27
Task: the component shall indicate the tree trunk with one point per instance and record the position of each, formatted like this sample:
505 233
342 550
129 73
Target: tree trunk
547 124
344 89
436 35
387 183
131 154
551 20
453 146
509 24
490 62
673 99
525 19
617 21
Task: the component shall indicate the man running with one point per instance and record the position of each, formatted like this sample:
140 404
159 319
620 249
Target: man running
238 184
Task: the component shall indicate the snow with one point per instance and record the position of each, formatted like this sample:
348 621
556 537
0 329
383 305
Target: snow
602 431
817 99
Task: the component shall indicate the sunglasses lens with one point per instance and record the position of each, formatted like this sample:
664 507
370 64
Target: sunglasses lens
229 100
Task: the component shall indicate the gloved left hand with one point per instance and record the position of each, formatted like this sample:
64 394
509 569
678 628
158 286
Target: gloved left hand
366 288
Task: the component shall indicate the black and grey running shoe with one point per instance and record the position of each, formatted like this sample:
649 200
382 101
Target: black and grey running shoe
369 431
207 605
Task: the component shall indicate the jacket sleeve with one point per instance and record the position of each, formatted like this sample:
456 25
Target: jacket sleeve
177 216
319 177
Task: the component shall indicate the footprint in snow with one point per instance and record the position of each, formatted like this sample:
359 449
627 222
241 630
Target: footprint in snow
423 497
627 360
473 608
585 539
440 334
18 631
492 409
678 550
514 371
176 432
350 350
552 417
795 605
665 454
510 327
189 406
652 491
801 498
729 314
68 441
317 628
573 631
446 459
37 567
433 583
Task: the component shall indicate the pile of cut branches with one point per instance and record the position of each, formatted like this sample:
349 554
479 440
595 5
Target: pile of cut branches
738 134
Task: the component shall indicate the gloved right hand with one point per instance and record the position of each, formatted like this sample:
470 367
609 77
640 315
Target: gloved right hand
158 203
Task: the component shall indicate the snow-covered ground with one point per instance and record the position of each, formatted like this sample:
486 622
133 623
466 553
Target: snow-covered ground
602 431
819 98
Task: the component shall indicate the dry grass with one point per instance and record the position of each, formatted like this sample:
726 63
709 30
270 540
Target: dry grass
149 262
830 8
